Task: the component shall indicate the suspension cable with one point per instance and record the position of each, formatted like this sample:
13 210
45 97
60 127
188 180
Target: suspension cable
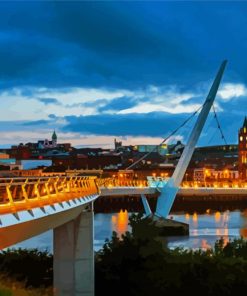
218 125
169 136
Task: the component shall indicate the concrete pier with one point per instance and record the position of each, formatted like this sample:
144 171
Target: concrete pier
74 257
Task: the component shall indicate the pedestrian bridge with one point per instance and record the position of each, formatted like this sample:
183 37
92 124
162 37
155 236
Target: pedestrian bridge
30 206
112 187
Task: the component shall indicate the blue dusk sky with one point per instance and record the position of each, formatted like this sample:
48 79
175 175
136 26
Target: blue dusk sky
94 71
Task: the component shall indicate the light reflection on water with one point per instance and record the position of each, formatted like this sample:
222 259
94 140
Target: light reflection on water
120 222
205 229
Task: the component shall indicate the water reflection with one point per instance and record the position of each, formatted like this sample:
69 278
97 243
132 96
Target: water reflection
205 245
243 230
120 222
205 229
187 217
217 217
195 219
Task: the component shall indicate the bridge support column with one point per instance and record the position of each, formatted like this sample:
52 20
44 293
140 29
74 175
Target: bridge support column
74 257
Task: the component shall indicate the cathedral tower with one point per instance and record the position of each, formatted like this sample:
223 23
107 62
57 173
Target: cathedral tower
242 151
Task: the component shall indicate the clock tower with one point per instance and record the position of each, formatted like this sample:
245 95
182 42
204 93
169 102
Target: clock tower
242 151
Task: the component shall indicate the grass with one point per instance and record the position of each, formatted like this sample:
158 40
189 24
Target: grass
13 288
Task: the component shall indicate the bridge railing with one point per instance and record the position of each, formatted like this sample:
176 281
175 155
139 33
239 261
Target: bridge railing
160 182
26 193
110 182
214 184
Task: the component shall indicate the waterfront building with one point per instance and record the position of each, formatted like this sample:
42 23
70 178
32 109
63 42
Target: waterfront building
4 156
242 152
162 149
209 174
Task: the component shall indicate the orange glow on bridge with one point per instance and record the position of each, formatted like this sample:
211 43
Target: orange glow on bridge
20 194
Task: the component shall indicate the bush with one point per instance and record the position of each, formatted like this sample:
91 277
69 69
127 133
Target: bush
139 263
32 267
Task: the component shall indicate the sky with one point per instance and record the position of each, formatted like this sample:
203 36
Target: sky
95 71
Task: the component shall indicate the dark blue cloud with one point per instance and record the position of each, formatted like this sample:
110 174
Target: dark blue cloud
118 104
120 44
39 123
123 45
153 124
48 101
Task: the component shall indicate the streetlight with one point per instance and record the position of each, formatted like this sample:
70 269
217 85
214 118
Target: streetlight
186 175
205 176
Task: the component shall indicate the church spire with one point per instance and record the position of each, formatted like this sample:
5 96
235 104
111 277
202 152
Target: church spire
245 122
54 136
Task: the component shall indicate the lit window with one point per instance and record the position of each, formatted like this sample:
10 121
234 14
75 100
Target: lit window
241 138
244 129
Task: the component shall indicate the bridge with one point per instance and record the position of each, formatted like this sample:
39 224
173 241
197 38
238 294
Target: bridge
34 205
29 207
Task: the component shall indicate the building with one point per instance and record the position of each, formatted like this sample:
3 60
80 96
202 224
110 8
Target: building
161 149
4 156
242 151
43 144
20 152
209 174
7 163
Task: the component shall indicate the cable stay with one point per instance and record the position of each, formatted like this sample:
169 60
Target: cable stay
219 126
176 130
165 139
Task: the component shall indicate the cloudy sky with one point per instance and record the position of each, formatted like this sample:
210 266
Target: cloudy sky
94 71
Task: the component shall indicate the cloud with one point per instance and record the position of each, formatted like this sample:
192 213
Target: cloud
112 68
230 90
118 104
48 101
152 124
148 108
123 45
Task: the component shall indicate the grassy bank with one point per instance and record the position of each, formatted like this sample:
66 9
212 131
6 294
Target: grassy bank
10 287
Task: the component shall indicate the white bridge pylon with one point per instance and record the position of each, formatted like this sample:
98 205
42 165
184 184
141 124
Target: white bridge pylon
170 189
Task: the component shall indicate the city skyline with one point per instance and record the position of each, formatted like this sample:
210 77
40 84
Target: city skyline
134 71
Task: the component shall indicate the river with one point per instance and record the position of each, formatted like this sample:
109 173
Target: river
205 229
